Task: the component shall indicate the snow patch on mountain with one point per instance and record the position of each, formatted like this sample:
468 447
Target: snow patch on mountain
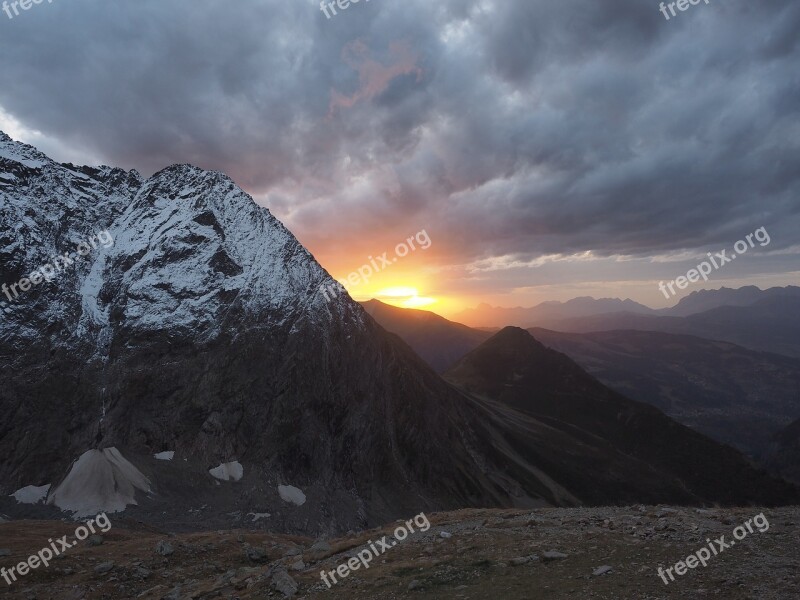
99 481
31 494
291 494
191 247
231 471
259 516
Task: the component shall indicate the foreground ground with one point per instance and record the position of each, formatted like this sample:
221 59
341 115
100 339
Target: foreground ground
470 554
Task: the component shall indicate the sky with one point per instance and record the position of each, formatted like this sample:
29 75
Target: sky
547 149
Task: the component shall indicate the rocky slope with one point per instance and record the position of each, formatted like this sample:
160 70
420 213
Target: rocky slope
514 555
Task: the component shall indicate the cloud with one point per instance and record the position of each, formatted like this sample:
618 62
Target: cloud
511 130
374 78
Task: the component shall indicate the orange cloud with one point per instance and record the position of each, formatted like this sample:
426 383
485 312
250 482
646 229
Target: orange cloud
373 76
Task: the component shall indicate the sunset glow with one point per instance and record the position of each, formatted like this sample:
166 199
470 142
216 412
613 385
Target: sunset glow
402 296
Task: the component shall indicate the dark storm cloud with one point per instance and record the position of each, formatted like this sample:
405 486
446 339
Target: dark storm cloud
505 127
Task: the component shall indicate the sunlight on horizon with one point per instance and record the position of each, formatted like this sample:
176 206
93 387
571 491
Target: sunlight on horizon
400 296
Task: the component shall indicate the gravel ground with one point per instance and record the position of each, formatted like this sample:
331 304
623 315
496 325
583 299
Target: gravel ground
611 552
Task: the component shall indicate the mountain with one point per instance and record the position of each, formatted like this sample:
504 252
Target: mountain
734 395
179 361
766 320
785 455
201 331
488 316
514 370
770 325
438 341
704 300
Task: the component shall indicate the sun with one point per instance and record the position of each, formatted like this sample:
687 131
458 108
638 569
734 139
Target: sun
404 297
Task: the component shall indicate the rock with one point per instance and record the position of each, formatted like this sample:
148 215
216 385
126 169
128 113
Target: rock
520 560
553 555
174 593
414 585
445 534
602 570
283 582
293 551
104 567
319 550
298 566
150 591
321 546
5 552
95 540
224 579
256 554
164 548
141 573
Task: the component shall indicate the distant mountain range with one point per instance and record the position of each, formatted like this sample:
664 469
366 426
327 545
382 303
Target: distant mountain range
583 418
771 324
738 396
488 316
735 395
589 314
704 300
